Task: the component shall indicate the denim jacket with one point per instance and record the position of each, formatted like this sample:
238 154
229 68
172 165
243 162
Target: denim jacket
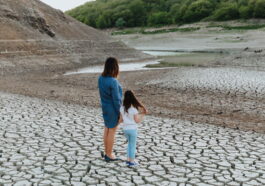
111 98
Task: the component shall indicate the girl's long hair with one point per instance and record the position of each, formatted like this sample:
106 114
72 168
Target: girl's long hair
111 67
131 100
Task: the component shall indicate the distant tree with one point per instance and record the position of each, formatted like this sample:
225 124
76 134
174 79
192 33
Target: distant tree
227 11
101 22
110 13
120 23
120 10
149 4
102 1
177 13
199 10
170 3
159 18
245 12
242 2
259 10
137 8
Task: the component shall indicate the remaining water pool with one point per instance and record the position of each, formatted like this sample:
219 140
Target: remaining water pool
163 53
123 67
130 66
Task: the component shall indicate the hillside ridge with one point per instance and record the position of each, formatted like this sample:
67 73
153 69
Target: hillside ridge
36 37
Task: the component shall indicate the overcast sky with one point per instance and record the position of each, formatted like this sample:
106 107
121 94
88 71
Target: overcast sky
65 4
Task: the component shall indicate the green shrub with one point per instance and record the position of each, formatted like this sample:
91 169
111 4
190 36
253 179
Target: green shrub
101 22
120 23
159 18
125 14
139 13
245 12
137 7
242 2
244 27
198 10
177 13
227 11
259 10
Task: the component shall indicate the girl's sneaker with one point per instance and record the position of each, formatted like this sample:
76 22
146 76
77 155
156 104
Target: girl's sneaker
132 164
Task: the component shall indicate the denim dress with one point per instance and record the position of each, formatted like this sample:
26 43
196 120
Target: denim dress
110 92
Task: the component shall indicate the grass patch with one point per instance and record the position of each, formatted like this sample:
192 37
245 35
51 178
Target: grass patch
243 27
160 31
164 64
126 32
246 27
190 29
187 60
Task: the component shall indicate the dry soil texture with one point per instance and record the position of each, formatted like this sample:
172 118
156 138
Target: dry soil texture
53 143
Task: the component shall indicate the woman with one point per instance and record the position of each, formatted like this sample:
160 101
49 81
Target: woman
111 97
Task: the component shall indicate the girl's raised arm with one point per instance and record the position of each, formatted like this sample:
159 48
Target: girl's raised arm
138 118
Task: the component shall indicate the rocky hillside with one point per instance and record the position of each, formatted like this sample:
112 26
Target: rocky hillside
36 37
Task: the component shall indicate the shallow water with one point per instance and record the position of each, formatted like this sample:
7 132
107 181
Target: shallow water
132 66
163 53
123 67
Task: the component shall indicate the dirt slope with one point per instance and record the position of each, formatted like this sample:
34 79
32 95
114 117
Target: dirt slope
34 36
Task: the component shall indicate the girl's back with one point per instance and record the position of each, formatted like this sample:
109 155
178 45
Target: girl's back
128 118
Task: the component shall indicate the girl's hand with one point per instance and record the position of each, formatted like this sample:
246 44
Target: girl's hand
138 118
144 111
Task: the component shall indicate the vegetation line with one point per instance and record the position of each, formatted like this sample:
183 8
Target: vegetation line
160 31
168 64
193 51
142 13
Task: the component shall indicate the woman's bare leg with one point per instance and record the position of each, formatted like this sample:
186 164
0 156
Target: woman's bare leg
105 139
110 138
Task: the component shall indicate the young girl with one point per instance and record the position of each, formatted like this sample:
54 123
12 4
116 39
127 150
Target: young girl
132 112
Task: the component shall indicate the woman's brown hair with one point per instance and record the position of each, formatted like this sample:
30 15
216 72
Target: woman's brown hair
131 100
111 67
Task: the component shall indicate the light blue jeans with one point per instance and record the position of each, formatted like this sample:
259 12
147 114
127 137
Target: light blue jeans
131 136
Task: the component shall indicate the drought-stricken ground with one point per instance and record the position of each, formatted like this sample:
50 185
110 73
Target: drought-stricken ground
225 91
231 97
48 142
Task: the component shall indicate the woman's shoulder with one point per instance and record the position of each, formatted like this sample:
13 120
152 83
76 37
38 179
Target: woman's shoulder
103 77
107 78
100 77
113 81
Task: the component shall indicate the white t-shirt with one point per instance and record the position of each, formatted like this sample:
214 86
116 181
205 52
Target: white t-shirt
128 118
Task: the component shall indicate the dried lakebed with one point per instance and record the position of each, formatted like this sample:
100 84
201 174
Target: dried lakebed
48 142
223 89
226 80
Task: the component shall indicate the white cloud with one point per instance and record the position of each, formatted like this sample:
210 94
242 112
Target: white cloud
64 4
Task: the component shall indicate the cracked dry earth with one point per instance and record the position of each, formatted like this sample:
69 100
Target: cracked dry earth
54 143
